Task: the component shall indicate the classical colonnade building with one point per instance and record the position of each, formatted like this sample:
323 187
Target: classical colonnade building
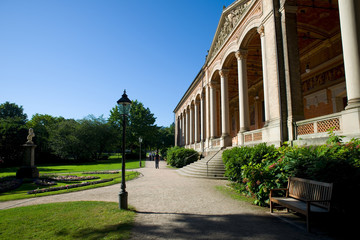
277 71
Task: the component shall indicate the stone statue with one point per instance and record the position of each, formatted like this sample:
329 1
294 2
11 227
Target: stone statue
30 136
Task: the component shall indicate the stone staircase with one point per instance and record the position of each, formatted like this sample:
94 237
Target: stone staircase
215 168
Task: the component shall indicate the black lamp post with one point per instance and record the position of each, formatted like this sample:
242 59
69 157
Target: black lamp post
124 104
140 141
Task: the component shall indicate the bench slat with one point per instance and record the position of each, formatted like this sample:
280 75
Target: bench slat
304 193
297 205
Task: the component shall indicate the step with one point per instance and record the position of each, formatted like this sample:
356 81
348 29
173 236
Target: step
211 167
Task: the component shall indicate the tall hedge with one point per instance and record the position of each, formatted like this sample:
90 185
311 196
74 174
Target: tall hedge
180 157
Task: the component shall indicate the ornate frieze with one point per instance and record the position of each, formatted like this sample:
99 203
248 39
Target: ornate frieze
231 20
323 78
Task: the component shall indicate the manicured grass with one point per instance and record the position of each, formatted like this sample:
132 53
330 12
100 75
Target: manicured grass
71 220
101 165
73 169
21 192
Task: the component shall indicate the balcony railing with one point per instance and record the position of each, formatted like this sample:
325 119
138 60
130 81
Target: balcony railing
317 127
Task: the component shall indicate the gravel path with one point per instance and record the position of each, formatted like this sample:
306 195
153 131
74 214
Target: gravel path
171 206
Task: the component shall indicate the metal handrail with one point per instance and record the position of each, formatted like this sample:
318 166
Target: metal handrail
189 157
207 163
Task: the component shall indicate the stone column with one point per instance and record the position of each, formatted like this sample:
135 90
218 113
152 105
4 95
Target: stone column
196 122
243 95
183 128
191 125
207 114
264 68
186 127
202 121
225 128
294 98
213 120
349 11
176 130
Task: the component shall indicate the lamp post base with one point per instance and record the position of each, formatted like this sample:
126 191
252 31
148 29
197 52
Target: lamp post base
123 200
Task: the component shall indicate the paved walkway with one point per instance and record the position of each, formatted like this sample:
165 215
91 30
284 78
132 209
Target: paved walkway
171 206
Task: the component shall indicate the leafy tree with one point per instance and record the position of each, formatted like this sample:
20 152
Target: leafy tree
12 133
95 135
63 140
166 138
12 111
42 125
140 123
81 140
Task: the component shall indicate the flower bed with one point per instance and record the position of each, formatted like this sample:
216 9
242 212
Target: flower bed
69 178
103 172
9 183
44 182
68 186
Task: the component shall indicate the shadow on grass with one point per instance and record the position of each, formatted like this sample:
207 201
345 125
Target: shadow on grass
116 231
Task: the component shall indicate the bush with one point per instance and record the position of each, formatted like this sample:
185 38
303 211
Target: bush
180 157
260 168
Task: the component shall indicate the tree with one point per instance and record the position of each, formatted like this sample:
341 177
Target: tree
12 111
166 138
96 135
42 125
140 123
13 133
63 140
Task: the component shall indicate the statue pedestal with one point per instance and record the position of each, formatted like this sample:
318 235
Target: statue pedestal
28 170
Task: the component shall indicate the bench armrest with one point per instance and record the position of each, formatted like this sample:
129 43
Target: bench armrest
278 189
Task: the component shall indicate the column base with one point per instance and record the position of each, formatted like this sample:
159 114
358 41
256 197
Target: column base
225 141
353 103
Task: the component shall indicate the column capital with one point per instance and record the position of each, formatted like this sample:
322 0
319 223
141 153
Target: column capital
288 7
241 54
224 73
261 31
213 85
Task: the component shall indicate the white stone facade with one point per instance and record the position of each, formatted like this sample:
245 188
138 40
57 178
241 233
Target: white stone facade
277 71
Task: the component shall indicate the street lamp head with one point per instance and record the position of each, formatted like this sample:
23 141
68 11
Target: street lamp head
124 103
140 139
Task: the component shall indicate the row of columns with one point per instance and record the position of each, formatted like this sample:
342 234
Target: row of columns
188 122
191 124
187 119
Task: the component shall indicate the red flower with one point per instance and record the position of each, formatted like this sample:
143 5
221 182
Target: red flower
272 165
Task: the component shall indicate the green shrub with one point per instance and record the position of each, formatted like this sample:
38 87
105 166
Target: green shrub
180 157
258 169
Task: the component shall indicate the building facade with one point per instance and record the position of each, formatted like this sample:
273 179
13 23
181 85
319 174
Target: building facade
277 71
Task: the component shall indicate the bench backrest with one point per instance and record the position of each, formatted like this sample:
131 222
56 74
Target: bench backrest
304 189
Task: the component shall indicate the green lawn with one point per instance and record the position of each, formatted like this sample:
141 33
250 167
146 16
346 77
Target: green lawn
112 164
71 220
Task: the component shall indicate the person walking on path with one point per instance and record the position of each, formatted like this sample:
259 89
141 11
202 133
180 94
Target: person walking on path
157 159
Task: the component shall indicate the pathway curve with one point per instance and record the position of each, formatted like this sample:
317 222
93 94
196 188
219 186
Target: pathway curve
171 206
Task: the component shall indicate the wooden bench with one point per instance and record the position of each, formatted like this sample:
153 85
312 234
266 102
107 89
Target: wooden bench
304 196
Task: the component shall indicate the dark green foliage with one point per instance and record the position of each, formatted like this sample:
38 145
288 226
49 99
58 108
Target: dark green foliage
81 140
12 134
180 157
260 168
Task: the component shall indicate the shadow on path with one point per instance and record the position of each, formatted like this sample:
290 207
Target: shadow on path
228 226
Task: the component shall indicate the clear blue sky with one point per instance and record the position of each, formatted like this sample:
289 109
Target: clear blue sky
73 58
